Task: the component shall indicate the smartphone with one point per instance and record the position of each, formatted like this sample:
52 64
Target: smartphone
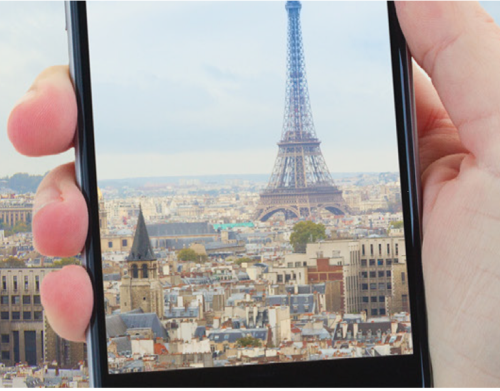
235 240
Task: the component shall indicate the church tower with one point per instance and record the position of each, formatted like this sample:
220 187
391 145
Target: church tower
140 287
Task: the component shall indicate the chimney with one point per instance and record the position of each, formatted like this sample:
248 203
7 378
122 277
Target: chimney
363 316
344 329
295 289
394 327
216 323
355 330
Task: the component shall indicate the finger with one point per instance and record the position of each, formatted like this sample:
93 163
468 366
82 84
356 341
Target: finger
457 44
438 137
43 122
67 298
60 220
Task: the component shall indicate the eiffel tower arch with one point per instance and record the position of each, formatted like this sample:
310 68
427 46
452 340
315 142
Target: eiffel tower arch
300 183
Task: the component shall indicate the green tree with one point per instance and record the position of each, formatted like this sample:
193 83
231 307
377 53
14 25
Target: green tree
248 341
66 261
239 261
11 263
306 232
396 224
187 254
20 226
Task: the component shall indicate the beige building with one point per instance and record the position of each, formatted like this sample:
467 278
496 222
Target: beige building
141 287
374 271
11 214
25 334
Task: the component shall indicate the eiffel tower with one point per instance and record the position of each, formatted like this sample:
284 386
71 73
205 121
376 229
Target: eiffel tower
300 182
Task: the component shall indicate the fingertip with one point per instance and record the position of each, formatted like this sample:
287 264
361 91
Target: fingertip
67 298
60 221
43 122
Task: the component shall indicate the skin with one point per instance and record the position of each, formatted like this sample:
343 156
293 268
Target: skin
458 112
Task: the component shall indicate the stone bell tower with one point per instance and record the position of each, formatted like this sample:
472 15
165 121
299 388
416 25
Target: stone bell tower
141 288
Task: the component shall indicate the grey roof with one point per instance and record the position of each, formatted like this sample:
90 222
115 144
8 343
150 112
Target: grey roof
123 345
118 325
304 289
115 326
181 312
181 229
299 304
232 335
200 332
318 333
368 330
180 243
111 277
145 321
141 248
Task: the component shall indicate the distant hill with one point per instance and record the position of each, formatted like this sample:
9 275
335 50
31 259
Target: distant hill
21 183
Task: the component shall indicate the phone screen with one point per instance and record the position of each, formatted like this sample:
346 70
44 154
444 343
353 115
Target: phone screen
250 194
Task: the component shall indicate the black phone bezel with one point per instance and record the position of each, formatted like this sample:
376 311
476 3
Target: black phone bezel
406 370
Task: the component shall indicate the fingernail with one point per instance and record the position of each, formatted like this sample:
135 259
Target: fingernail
45 197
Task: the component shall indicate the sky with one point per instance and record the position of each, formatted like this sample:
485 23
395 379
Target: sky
197 88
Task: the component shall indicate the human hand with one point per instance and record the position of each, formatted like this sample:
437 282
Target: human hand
44 123
458 45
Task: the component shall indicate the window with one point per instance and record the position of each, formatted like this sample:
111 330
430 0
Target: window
4 283
15 300
389 285
379 249
37 283
404 298
362 250
364 274
364 287
381 299
36 299
26 283
396 249
365 299
37 315
27 315
373 285
15 282
374 311
4 299
380 262
396 260
110 244
124 242
373 274
387 273
297 264
4 315
381 285
381 274
388 248
144 270
135 271
363 262
280 278
305 263
372 262
371 249
16 315
403 278
382 311
26 299
373 299
388 262
5 355
5 338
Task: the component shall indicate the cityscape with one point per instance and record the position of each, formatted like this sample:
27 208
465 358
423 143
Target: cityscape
296 264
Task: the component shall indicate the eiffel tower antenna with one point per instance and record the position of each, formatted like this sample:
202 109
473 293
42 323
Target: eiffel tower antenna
300 182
